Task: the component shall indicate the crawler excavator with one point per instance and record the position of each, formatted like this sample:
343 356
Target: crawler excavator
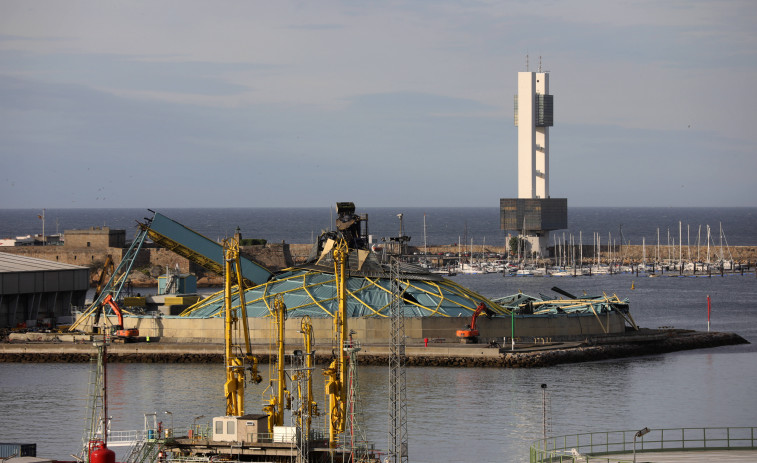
469 335
119 331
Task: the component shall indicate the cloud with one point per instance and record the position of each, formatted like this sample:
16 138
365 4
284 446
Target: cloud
393 103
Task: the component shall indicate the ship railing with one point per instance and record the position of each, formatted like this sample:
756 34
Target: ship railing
182 459
126 438
596 445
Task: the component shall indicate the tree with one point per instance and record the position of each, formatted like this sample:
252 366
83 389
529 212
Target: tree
516 244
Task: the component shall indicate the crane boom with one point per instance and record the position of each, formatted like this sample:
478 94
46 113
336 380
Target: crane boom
119 329
235 364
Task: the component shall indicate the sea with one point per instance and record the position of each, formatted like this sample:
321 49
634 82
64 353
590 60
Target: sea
453 413
478 226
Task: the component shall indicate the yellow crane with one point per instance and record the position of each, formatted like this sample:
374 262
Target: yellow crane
236 362
282 399
310 406
335 380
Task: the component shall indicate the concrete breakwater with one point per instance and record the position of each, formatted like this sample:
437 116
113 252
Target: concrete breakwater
448 355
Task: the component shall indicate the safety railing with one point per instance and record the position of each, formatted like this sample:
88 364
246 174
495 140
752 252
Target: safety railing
125 438
594 447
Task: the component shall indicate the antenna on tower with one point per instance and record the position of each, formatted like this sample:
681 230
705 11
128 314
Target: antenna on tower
539 63
527 62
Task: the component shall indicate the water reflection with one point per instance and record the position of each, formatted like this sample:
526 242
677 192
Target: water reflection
496 412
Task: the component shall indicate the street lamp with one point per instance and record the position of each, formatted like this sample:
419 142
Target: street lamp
544 412
639 433
169 433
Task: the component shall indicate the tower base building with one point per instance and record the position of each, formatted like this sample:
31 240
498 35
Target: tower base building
533 219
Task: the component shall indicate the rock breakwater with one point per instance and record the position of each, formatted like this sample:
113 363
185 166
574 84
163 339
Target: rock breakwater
452 356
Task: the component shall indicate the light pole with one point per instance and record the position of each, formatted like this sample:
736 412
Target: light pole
169 433
544 412
639 433
399 216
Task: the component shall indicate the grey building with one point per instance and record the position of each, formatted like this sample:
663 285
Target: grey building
38 292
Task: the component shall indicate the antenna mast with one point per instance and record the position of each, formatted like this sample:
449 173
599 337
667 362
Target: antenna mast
398 393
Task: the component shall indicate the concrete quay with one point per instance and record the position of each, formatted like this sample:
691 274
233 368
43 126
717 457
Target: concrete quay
652 342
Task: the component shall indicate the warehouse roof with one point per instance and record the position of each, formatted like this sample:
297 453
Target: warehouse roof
12 263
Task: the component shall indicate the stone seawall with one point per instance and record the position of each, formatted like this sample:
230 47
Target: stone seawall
629 253
528 356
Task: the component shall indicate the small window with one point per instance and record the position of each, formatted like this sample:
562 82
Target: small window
230 428
219 427
88 244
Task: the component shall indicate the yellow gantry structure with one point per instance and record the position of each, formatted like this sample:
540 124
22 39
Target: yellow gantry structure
236 364
281 399
310 406
335 373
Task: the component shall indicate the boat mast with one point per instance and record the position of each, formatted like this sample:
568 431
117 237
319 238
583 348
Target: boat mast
644 252
669 257
680 249
599 249
688 241
699 239
722 256
657 257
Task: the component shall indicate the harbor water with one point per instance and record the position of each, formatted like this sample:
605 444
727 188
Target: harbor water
454 413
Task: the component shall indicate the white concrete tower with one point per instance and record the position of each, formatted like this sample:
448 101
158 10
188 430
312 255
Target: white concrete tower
534 213
533 117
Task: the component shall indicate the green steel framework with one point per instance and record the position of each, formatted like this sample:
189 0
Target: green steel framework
309 292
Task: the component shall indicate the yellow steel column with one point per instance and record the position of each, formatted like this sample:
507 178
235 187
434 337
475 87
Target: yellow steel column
281 309
231 386
276 404
336 371
311 406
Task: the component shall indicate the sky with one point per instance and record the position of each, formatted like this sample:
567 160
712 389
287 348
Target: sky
398 103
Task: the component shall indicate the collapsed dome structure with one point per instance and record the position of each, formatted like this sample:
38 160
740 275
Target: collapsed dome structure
310 288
